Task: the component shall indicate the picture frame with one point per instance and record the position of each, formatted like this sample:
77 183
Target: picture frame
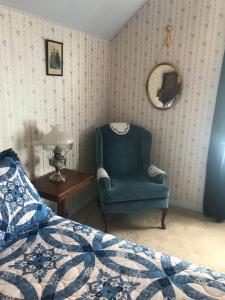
54 58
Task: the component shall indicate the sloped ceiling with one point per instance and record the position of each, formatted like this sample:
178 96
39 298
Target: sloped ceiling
103 18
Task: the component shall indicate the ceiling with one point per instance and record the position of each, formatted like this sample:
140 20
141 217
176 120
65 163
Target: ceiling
103 18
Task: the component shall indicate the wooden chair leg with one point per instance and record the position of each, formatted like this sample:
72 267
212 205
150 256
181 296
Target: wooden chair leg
106 218
164 214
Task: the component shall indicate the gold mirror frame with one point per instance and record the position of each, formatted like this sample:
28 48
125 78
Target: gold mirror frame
180 85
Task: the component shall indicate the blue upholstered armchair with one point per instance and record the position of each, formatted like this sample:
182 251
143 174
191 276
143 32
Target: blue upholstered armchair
127 181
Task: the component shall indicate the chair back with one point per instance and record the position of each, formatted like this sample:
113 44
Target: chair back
123 148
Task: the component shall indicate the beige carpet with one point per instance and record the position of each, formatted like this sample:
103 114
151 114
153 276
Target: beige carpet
189 235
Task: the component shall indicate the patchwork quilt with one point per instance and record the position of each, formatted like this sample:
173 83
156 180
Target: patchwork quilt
62 259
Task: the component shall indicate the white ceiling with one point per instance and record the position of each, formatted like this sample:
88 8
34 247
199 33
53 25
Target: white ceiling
103 18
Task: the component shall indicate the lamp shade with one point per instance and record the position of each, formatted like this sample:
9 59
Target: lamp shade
57 138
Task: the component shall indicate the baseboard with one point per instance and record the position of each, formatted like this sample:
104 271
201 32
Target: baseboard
81 199
77 205
186 205
91 195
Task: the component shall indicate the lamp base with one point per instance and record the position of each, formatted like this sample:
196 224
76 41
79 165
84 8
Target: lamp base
57 177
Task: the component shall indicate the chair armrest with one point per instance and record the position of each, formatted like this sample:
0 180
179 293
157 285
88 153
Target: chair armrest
157 175
103 178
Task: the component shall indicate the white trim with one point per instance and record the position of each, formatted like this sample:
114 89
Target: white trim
120 128
185 205
101 173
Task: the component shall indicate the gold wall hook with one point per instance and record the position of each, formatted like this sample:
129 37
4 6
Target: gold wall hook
168 39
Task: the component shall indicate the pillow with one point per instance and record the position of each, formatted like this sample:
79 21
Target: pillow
21 207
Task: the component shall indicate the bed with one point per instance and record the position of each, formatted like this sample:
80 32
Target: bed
44 256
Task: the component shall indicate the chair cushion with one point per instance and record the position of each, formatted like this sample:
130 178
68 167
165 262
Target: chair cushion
134 187
21 207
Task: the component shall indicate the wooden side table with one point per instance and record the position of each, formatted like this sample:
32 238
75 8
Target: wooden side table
58 192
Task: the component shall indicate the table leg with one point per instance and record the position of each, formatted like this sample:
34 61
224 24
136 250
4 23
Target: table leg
61 211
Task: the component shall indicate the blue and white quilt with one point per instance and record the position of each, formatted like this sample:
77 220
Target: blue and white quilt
62 259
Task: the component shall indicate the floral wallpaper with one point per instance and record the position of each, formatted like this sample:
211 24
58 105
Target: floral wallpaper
181 134
30 101
106 81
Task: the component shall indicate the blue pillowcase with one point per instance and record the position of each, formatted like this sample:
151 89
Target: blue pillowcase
21 207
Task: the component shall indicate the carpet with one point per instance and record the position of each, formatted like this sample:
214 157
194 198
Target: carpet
189 235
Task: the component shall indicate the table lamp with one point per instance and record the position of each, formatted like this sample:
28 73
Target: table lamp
57 143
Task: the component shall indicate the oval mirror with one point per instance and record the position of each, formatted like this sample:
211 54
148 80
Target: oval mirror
164 85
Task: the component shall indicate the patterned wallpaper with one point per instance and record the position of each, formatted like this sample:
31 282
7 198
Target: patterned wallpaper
99 85
181 134
30 101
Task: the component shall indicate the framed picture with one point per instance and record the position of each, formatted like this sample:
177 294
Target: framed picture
54 58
